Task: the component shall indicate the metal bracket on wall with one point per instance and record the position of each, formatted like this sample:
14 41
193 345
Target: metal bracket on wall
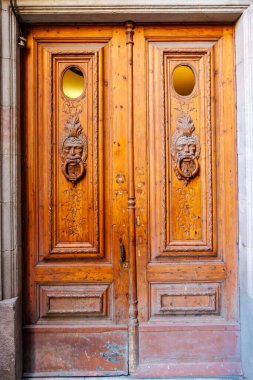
21 38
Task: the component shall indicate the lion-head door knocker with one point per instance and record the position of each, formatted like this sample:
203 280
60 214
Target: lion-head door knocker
185 149
74 150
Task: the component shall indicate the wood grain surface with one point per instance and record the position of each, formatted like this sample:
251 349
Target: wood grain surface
153 174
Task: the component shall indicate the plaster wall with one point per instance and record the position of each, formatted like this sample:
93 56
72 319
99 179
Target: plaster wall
10 219
244 77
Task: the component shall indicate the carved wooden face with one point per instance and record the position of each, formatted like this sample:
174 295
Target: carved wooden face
72 149
186 146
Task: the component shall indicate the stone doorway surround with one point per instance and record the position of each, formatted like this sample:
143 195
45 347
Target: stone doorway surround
90 11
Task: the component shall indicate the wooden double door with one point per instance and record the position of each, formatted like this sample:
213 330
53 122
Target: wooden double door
129 194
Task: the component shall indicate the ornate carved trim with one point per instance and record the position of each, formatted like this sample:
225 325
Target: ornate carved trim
185 149
74 147
209 154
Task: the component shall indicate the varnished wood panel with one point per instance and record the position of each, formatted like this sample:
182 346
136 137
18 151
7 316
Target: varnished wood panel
180 271
182 223
184 299
65 302
72 227
186 229
78 213
75 351
192 348
73 273
74 211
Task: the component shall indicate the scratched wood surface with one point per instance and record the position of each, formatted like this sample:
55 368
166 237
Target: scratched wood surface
186 230
158 173
73 276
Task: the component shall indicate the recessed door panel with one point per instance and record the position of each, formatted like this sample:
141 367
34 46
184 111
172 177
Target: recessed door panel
182 175
78 216
68 152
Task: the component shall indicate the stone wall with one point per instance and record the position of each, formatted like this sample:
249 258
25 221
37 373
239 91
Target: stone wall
10 218
244 77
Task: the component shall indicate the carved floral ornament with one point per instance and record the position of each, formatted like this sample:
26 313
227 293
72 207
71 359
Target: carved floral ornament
74 146
185 149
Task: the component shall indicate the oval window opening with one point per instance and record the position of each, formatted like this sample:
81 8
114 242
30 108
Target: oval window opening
183 80
73 82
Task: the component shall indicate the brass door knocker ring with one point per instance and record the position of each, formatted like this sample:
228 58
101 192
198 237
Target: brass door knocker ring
188 173
74 175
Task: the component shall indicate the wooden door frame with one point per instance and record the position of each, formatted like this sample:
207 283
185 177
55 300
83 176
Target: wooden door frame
31 13
37 245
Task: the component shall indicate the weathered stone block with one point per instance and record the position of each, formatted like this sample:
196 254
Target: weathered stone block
10 340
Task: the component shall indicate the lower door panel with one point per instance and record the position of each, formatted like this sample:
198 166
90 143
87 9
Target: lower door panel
193 350
75 351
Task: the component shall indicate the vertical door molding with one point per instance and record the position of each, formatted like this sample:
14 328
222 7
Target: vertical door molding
133 311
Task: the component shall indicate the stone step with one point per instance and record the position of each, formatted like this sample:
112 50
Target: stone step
132 378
